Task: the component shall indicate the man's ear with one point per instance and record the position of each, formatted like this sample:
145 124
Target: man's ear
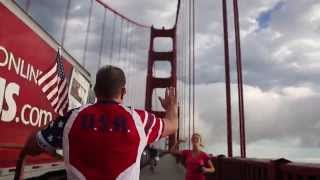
123 92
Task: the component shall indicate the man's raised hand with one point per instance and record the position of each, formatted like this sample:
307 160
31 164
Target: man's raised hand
170 99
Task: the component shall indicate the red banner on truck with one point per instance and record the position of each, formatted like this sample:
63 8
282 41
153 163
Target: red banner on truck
24 55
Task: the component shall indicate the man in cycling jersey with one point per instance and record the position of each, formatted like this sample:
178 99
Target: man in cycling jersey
105 140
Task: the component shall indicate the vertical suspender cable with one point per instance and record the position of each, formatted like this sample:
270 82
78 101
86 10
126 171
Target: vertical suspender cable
125 52
182 80
132 67
65 23
185 67
190 62
102 37
193 64
128 65
181 57
227 77
28 5
182 60
184 43
112 37
135 65
120 40
180 73
87 35
179 82
186 70
240 81
187 73
126 43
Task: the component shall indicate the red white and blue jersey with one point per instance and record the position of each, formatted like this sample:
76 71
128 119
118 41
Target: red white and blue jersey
102 141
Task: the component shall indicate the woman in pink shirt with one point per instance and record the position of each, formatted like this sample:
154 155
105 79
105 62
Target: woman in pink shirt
196 161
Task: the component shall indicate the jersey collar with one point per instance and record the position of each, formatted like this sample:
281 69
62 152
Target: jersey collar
107 102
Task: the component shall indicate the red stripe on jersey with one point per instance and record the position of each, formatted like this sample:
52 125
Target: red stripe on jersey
142 115
150 123
156 131
153 126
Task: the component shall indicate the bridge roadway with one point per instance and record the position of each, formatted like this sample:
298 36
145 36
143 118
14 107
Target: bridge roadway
167 169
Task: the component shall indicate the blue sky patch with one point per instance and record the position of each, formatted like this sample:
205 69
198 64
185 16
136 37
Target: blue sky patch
265 17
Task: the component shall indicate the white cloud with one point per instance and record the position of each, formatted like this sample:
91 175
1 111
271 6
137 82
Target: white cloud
285 116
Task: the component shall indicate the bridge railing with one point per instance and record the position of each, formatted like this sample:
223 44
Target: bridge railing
300 171
262 169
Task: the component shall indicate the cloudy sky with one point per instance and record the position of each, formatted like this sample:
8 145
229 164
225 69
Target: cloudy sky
280 50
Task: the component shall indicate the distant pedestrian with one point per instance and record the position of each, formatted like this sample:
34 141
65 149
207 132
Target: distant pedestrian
197 162
154 158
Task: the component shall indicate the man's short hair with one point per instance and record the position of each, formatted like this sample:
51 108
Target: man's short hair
109 81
